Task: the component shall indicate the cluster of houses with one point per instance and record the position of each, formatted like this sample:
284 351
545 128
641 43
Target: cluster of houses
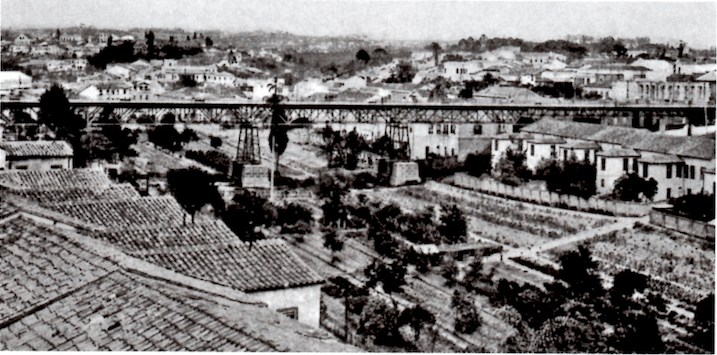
680 165
642 81
90 265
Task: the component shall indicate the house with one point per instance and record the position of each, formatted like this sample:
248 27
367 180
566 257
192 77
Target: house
19 49
70 37
676 163
90 92
95 297
540 59
23 39
460 71
156 230
37 155
118 71
677 88
14 82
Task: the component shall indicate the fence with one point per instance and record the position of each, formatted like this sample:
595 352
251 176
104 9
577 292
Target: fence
683 224
542 197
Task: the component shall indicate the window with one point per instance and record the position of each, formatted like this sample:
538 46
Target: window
532 150
702 173
689 191
430 129
477 129
678 170
292 312
602 164
565 155
20 167
56 166
687 171
625 163
692 172
669 171
669 192
634 165
602 182
552 151
644 170
453 129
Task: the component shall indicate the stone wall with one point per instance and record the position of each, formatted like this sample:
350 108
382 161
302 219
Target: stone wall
551 198
683 224
255 176
404 172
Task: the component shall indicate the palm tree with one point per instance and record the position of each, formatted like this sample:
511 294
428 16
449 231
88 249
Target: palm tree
278 136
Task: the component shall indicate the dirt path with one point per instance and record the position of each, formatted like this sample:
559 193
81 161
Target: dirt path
572 239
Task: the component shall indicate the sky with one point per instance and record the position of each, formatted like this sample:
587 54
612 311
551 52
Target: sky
441 20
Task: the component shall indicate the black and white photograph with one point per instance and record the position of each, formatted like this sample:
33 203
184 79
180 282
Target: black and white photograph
345 176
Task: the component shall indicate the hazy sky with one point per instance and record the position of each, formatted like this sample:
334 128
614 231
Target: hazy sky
693 22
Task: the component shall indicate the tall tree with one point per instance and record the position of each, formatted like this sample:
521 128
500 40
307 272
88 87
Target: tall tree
436 48
150 44
193 189
363 56
278 134
467 318
453 225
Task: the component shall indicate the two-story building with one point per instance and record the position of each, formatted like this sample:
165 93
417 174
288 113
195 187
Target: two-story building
680 165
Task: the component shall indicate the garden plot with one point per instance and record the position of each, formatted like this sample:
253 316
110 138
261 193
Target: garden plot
162 162
493 330
504 221
680 266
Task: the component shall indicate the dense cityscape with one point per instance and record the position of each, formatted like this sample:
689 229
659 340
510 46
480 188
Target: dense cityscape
164 189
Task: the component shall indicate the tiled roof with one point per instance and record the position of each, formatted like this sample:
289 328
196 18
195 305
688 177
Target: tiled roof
58 293
635 138
618 152
55 180
37 265
582 145
37 149
112 192
142 239
546 140
661 159
264 265
161 211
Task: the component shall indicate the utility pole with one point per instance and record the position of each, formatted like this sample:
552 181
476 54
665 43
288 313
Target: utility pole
273 164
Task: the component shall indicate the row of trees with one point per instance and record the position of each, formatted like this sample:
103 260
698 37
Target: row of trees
125 52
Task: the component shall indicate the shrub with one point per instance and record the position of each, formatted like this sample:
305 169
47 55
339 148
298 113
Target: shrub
215 159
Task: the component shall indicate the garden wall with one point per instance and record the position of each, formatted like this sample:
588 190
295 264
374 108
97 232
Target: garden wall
551 198
683 224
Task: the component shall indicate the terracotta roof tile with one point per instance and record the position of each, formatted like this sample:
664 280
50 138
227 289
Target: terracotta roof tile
635 138
161 211
33 259
99 305
55 180
139 239
264 265
37 149
111 192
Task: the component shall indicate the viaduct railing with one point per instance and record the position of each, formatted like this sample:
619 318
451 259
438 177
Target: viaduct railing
148 112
